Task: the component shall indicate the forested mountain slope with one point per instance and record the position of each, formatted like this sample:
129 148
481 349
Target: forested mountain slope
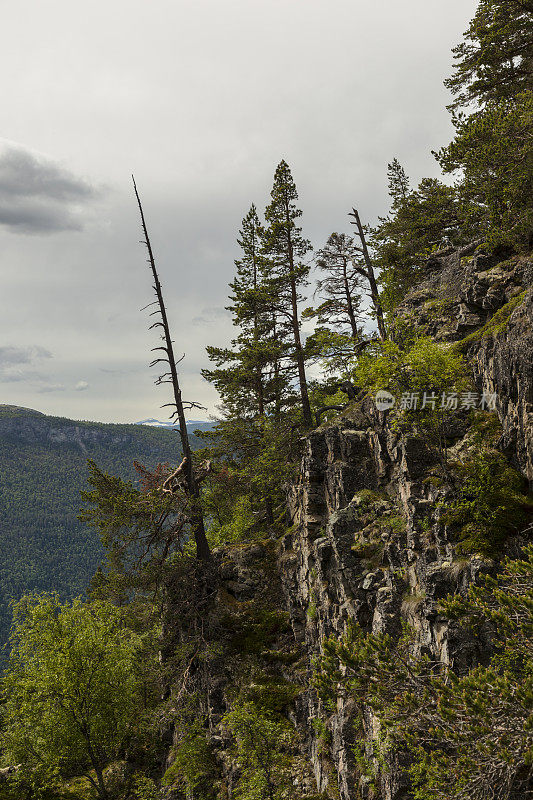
43 468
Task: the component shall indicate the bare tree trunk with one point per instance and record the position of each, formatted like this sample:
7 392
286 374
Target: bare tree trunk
369 274
193 490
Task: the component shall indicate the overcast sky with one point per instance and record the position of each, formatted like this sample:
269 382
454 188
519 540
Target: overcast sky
200 99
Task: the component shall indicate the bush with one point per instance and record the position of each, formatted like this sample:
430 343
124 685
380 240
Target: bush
491 505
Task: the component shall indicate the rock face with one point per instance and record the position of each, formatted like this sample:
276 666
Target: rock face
368 540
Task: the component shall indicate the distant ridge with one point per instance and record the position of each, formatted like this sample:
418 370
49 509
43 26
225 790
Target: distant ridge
43 467
192 424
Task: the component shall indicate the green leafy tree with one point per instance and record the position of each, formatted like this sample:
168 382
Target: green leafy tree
71 692
421 374
262 749
491 503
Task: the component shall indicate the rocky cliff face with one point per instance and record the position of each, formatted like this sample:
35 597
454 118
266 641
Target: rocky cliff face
368 542
368 539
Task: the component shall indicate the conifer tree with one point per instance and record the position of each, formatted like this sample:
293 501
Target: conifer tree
286 249
398 183
244 373
491 151
250 380
495 60
340 287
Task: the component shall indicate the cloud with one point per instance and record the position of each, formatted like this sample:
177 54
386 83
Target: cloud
10 355
51 387
207 315
38 196
81 386
17 366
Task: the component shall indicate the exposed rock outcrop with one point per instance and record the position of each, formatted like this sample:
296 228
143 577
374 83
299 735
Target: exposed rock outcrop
368 540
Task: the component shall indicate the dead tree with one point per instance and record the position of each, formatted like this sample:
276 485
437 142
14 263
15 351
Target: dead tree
191 484
367 271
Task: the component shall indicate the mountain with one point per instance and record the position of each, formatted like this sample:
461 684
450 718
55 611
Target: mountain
43 467
192 424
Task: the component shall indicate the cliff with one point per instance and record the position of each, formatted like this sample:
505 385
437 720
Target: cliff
369 539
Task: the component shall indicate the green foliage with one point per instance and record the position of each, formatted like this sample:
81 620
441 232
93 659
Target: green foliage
339 315
262 751
286 250
333 350
493 154
494 60
193 768
421 366
421 220
492 503
72 690
138 527
252 462
256 628
145 788
271 695
490 155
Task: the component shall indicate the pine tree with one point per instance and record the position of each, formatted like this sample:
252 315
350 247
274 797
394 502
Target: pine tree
366 267
491 151
337 337
252 384
398 183
286 250
495 60
244 374
340 287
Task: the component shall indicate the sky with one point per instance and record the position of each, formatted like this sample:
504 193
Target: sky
200 99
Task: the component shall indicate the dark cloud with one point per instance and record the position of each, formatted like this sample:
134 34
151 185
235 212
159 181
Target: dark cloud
38 196
11 356
17 365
